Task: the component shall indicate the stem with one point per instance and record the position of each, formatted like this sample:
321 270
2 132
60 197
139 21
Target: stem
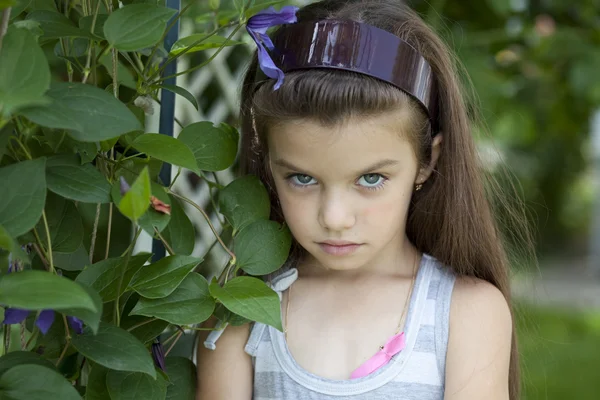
117 316
110 212
132 244
33 336
94 232
162 39
86 70
164 242
68 337
206 217
22 146
40 254
49 250
4 24
175 179
7 333
201 329
237 28
179 334
115 59
142 323
171 337
133 64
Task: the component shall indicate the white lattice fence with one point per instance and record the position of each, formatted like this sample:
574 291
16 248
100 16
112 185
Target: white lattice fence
223 108
225 72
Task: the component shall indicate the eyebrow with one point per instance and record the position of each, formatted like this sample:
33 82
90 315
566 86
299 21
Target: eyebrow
379 164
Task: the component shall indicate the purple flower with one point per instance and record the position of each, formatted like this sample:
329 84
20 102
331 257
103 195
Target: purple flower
124 186
158 355
257 28
43 322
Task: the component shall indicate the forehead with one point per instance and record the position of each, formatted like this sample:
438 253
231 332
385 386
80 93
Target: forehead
354 143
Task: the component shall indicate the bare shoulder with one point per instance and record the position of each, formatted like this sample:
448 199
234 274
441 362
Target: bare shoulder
475 299
228 363
479 341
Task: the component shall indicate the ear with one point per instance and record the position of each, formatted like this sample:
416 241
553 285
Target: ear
436 148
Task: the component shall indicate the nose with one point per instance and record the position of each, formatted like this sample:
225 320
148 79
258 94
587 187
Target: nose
335 212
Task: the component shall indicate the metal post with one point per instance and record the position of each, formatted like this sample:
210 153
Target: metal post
167 113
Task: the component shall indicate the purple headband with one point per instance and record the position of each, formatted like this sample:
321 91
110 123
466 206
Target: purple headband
345 45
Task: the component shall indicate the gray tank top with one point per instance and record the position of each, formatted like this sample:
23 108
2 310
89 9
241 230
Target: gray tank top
417 372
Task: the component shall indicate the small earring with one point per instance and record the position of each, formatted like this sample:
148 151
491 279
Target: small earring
418 187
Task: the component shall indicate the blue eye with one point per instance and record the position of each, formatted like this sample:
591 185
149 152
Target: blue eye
371 181
302 180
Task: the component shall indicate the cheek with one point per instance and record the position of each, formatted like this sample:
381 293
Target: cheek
382 212
296 208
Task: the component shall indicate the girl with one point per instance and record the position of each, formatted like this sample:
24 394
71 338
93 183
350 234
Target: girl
397 286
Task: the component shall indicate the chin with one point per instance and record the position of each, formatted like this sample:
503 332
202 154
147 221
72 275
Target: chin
339 263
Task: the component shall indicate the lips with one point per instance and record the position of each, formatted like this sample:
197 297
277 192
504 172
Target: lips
339 247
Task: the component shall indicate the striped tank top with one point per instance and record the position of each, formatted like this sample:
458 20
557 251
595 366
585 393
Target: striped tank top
417 372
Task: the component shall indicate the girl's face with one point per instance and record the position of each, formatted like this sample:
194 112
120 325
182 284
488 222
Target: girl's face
345 191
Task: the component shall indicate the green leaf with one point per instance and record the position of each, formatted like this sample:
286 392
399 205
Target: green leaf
146 332
6 242
262 247
55 25
91 318
5 134
244 201
24 195
251 298
73 261
89 113
136 26
189 304
154 219
64 222
115 348
160 279
183 93
182 373
125 76
166 148
180 233
96 388
24 70
12 246
137 200
104 276
84 183
134 386
17 9
15 358
51 292
85 24
207 42
223 314
35 382
214 147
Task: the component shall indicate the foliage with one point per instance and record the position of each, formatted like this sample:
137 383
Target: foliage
534 67
559 353
80 180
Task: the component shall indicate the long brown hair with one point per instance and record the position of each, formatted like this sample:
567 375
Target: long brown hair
452 217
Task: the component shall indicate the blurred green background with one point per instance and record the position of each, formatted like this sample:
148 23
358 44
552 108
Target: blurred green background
535 67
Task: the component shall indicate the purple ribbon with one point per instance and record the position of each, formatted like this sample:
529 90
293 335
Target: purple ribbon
257 28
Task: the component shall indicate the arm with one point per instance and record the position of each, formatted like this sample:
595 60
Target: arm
226 372
478 357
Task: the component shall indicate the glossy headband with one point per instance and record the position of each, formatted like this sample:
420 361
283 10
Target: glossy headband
357 47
